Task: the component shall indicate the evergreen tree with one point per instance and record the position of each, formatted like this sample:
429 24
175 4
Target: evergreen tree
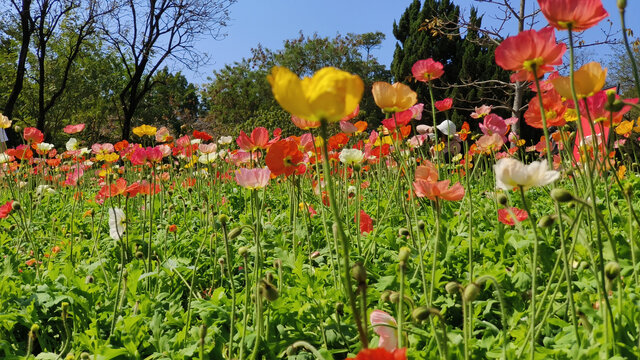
431 30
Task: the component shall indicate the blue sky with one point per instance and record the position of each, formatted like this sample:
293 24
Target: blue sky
270 22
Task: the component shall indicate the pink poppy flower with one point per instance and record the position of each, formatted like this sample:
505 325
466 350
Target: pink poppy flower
427 70
73 129
253 178
384 325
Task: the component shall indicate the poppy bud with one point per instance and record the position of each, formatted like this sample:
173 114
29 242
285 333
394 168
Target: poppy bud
612 270
622 4
546 221
403 232
628 189
615 106
223 219
269 277
403 255
359 273
385 296
234 233
268 291
85 356
34 330
243 251
221 261
452 287
502 199
394 297
340 309
471 292
561 195
16 206
421 313
421 225
88 279
203 333
64 307
139 254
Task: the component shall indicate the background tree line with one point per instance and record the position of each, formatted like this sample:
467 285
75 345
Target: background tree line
106 64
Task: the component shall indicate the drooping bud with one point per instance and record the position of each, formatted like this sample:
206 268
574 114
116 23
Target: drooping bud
15 205
359 273
628 189
452 287
234 233
471 292
268 291
340 309
421 314
403 256
394 297
502 199
612 270
421 225
385 296
546 221
403 232
561 195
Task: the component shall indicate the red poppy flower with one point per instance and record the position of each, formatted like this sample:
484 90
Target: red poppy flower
381 354
366 224
505 217
258 140
579 15
444 105
5 209
530 50
202 135
554 109
427 70
283 158
21 152
121 145
33 135
337 141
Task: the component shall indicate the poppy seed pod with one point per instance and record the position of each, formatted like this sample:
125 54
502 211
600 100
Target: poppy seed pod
622 4
234 233
561 195
612 270
471 292
502 199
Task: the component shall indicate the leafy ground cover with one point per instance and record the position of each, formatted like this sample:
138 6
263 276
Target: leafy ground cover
406 241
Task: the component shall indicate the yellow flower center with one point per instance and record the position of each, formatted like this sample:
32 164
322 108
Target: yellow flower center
532 64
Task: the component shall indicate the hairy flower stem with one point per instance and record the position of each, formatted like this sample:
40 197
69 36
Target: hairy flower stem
632 60
119 288
543 116
344 241
435 254
435 129
232 287
245 311
534 265
403 268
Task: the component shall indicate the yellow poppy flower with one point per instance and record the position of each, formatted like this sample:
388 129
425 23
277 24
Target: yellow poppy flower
110 157
624 127
621 171
330 94
5 123
393 98
145 130
589 79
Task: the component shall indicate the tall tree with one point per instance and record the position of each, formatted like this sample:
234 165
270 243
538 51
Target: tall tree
147 33
468 61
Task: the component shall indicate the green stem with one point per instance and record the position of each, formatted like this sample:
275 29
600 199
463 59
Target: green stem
543 115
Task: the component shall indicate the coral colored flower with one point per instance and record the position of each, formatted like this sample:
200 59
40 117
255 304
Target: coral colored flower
427 70
427 172
5 209
73 129
366 224
33 135
464 131
511 173
504 216
444 105
145 130
393 98
596 109
361 126
173 228
283 158
259 139
481 111
579 15
381 354
304 124
330 94
256 178
438 190
554 109
588 80
388 334
530 51
163 135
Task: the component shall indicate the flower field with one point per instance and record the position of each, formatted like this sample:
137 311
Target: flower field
415 239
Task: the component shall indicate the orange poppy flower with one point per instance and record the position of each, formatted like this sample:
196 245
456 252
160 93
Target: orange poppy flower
530 51
393 98
554 109
283 158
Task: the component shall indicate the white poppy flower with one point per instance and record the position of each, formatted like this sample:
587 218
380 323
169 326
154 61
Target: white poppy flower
512 173
117 223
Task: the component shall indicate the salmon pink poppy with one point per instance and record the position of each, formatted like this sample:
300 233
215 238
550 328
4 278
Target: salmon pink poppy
528 52
5 209
577 15
554 109
444 105
283 158
33 135
73 129
505 217
481 111
163 135
427 70
304 124
438 190
258 140
381 354
256 178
